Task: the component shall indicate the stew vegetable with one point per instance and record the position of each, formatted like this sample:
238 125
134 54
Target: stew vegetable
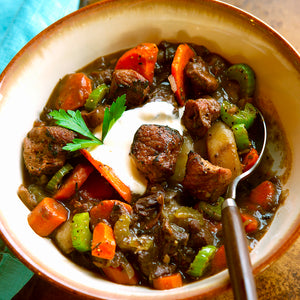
127 165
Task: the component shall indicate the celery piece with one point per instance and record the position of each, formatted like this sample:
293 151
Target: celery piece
241 136
213 211
232 115
127 240
57 177
245 76
96 96
81 234
201 261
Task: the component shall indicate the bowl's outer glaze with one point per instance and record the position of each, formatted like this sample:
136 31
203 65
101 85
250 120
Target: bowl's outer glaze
104 28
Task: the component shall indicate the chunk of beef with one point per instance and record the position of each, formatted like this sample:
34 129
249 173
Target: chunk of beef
149 209
162 270
155 150
200 235
216 64
204 180
153 264
201 80
129 82
42 149
174 237
199 114
174 245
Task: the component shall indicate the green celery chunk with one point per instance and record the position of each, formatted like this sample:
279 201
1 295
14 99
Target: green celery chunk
201 261
241 136
57 177
96 96
245 76
232 115
213 211
81 234
127 240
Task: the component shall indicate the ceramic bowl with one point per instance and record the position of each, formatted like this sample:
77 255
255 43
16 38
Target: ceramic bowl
106 27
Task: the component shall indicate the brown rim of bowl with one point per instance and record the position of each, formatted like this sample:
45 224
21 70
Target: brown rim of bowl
279 40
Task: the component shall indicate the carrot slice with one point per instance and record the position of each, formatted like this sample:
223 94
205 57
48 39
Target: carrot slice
74 91
120 275
250 223
182 56
250 159
105 207
218 262
47 216
103 242
108 173
168 282
263 194
141 59
74 182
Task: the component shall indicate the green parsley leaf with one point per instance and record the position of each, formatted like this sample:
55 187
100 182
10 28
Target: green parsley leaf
78 144
113 114
73 120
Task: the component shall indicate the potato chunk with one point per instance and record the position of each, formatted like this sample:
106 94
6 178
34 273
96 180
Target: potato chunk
63 238
221 148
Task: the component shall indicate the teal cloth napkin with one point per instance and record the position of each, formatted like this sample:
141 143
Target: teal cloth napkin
20 21
13 274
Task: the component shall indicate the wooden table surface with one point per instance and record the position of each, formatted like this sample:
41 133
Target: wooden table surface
282 279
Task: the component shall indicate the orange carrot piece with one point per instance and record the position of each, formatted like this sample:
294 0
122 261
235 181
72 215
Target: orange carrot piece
250 159
168 282
250 223
182 56
218 262
119 275
74 182
103 242
105 207
263 194
74 91
47 216
141 59
108 173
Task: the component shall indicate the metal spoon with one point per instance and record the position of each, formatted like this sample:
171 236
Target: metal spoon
236 248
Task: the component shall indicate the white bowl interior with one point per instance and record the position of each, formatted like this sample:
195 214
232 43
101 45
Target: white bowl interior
103 29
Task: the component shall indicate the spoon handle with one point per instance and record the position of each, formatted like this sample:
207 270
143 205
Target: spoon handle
237 253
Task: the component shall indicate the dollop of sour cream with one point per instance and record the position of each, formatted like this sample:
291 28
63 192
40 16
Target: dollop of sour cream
116 148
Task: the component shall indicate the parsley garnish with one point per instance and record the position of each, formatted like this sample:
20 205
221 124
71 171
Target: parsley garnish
74 121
